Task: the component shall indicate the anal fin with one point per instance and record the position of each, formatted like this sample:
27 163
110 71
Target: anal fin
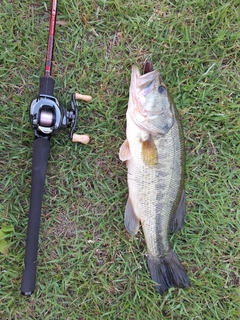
131 221
177 219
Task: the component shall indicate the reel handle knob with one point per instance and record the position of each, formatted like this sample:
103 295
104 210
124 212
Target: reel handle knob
83 97
82 138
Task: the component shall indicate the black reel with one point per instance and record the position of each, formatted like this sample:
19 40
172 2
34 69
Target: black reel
47 115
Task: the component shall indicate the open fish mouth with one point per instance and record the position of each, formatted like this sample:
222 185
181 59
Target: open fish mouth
147 66
142 81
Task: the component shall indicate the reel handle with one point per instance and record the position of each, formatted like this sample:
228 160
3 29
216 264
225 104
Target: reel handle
41 148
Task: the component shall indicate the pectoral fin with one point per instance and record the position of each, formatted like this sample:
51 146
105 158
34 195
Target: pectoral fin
124 152
131 221
177 219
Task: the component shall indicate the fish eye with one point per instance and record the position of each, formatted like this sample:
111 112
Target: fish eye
161 90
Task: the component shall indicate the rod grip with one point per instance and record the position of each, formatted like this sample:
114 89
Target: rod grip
41 148
46 86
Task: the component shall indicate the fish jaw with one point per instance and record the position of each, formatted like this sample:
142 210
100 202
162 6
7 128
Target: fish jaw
150 105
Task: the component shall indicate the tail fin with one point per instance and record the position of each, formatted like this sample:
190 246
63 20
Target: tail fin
168 272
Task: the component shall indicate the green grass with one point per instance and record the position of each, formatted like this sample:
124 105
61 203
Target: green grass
88 266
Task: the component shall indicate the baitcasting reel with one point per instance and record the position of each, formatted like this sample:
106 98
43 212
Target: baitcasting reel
48 116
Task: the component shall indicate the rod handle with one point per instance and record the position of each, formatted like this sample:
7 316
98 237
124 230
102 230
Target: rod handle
46 86
41 147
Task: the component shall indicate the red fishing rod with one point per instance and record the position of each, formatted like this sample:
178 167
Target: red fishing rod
47 116
51 39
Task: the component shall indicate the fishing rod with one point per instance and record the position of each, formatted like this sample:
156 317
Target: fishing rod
47 116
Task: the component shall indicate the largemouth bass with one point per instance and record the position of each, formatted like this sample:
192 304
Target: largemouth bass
155 155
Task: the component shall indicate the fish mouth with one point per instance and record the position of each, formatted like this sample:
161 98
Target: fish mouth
147 66
146 81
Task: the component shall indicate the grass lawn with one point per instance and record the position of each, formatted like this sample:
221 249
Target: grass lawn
88 266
